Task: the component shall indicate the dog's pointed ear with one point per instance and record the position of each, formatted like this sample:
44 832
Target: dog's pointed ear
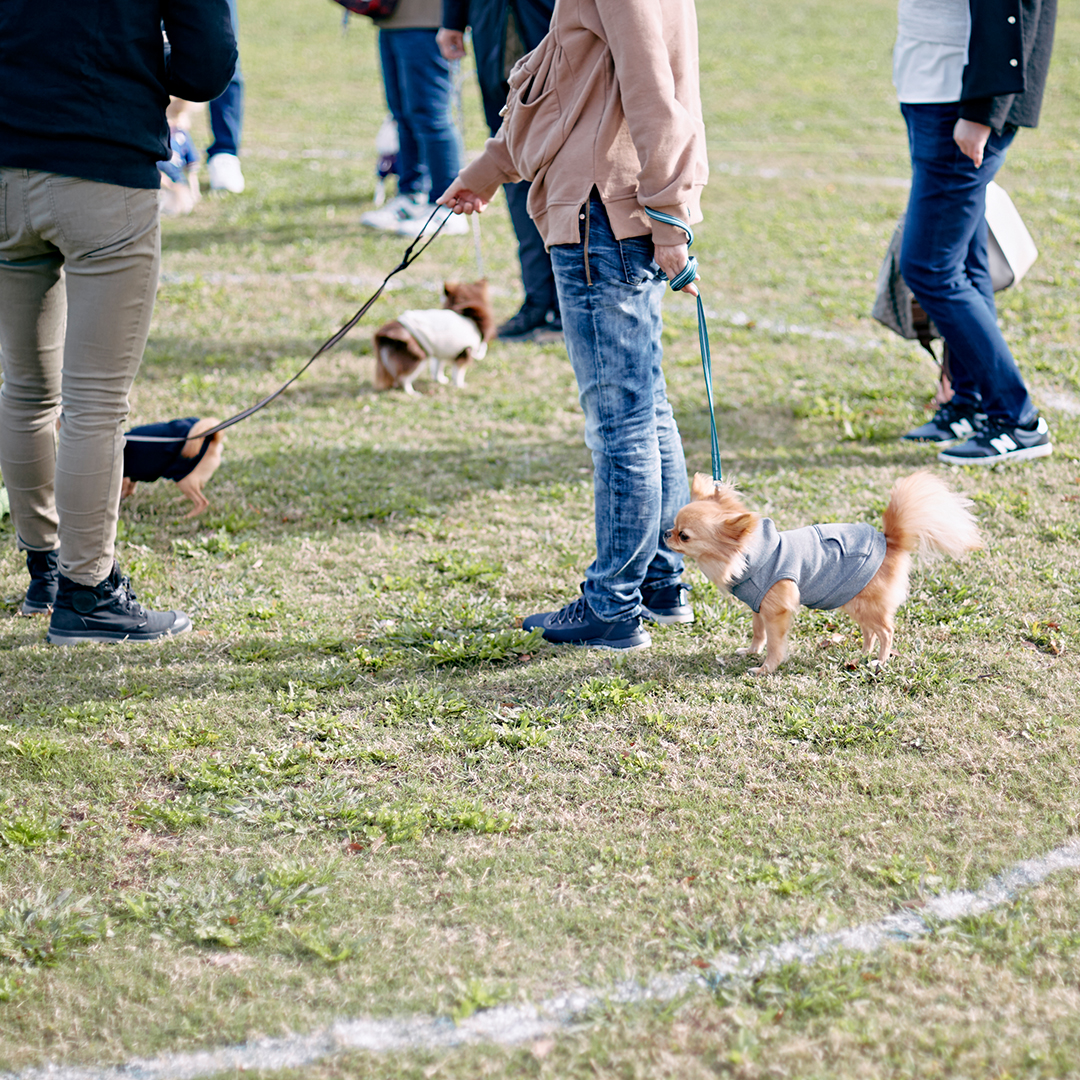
743 524
703 486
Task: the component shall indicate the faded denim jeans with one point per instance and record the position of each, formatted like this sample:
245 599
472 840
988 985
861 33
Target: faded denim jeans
78 276
609 297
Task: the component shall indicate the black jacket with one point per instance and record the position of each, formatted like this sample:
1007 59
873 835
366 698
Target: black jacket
488 21
1008 60
83 86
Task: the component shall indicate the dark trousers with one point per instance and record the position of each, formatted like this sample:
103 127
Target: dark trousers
536 276
944 261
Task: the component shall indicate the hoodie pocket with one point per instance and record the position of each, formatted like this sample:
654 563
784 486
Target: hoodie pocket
533 128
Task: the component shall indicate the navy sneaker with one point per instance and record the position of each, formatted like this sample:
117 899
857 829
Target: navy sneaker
668 604
44 567
998 443
951 423
575 624
108 611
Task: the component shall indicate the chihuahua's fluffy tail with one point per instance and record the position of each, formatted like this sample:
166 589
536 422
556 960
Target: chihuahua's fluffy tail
924 515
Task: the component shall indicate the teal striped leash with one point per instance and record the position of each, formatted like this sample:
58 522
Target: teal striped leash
679 282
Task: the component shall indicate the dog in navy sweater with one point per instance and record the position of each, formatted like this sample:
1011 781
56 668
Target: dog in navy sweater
186 459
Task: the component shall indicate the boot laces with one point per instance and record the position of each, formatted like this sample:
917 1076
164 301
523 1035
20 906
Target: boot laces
127 599
573 612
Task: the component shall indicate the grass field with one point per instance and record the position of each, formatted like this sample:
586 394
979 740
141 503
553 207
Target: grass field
358 789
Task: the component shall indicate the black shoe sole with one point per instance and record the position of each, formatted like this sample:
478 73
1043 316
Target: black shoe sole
75 637
1025 453
30 609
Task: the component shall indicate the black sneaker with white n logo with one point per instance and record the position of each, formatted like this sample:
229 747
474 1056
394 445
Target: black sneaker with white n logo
951 423
997 444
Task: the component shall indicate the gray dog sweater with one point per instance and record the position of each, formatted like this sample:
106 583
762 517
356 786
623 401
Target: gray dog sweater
831 564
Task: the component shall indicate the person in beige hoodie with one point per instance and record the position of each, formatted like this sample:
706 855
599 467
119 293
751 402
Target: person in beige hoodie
604 118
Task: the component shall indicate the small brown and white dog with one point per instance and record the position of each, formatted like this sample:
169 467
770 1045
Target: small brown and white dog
455 333
183 458
852 567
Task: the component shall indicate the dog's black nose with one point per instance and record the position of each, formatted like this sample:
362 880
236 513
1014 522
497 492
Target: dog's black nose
667 535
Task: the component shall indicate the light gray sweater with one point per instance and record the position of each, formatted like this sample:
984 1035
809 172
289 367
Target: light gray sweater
831 564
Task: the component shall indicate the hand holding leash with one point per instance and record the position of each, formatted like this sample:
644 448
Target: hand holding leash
677 263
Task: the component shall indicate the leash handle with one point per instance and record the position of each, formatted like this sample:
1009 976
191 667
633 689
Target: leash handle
685 276
406 260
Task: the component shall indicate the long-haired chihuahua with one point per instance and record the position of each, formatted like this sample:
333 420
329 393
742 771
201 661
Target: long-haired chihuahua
852 567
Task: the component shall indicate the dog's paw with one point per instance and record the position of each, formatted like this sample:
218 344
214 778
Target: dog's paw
747 650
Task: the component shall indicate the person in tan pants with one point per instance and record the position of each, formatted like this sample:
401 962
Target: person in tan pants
79 259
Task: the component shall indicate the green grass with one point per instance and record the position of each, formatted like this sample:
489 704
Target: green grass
358 788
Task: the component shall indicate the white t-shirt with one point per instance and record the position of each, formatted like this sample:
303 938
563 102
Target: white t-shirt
931 50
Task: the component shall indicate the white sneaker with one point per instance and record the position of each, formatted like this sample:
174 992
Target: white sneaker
402 207
225 174
456 224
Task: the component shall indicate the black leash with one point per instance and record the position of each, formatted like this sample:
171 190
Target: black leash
406 260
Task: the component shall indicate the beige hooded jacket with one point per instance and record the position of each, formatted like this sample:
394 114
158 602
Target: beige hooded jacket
610 98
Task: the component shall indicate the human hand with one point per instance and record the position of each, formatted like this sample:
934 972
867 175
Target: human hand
672 259
451 44
461 200
971 138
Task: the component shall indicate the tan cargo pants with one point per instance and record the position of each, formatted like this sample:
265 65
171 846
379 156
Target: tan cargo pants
79 265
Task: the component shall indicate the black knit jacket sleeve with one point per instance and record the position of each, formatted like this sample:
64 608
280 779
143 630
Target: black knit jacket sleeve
455 14
83 86
1008 61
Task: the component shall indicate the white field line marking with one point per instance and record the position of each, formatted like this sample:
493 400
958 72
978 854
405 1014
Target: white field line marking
508 1025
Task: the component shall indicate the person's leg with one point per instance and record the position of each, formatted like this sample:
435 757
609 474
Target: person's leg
942 231
226 128
33 315
609 295
227 111
541 306
426 85
977 267
412 175
109 237
537 278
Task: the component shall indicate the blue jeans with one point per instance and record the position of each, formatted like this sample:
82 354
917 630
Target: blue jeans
945 264
419 89
609 297
227 111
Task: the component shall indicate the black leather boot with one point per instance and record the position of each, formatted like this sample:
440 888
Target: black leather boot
108 611
44 567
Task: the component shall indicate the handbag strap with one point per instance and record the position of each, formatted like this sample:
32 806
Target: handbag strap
685 277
